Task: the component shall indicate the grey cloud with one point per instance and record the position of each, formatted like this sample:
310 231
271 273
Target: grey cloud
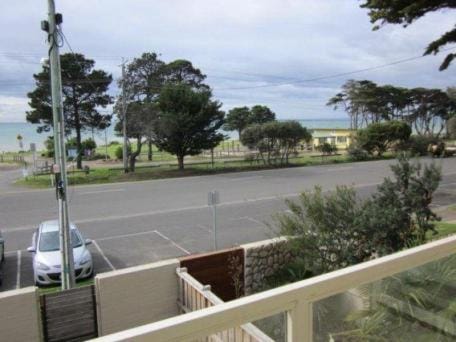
286 38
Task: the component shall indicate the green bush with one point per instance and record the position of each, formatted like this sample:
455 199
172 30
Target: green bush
378 137
327 149
114 142
119 152
418 145
356 153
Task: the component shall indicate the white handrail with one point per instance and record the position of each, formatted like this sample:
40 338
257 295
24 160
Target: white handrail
293 298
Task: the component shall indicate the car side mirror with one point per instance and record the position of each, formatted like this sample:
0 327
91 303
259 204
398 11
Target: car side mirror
31 249
88 242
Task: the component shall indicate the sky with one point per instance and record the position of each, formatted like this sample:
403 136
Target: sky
252 51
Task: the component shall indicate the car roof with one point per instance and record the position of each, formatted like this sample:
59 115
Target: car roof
52 226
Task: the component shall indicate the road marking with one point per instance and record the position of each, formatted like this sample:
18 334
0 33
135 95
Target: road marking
244 178
174 243
18 275
256 221
340 168
125 235
203 227
170 211
103 255
100 191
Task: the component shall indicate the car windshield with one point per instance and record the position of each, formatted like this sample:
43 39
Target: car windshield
49 241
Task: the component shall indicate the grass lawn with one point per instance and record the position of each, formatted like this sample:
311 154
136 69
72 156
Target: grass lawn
159 155
106 175
57 288
443 229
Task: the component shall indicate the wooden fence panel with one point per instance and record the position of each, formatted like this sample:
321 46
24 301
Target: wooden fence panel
218 269
69 315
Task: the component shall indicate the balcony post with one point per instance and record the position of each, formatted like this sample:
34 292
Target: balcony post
300 323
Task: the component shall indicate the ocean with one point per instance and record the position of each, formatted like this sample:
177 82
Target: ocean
10 131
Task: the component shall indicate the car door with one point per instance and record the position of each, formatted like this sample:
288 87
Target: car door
2 248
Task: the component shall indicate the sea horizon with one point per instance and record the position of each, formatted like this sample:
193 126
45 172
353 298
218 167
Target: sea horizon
10 130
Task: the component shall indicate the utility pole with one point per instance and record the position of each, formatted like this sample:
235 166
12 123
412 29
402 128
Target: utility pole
124 119
213 199
59 168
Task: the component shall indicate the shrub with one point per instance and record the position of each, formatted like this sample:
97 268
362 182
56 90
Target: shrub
418 145
327 149
89 144
356 153
451 124
119 152
381 136
114 142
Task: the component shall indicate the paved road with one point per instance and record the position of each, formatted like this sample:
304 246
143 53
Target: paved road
136 223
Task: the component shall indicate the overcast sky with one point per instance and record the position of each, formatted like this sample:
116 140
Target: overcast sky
237 43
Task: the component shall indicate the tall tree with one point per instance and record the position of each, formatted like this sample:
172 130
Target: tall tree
84 91
189 121
183 71
141 119
237 119
261 114
405 12
145 77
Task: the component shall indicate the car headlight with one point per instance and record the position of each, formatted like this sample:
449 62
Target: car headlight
85 259
41 266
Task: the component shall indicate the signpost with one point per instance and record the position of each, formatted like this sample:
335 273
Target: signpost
33 150
213 198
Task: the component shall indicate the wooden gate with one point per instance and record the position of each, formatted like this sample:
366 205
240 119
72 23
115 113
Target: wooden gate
195 296
69 315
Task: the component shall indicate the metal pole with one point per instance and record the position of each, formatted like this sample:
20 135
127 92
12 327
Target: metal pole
124 120
214 211
66 250
106 143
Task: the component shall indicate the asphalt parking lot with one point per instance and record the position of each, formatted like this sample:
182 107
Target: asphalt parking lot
162 239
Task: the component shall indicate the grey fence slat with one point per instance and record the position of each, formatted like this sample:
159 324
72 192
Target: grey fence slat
69 315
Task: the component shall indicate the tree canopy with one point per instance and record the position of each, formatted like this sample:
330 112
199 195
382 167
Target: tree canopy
84 92
144 79
275 139
405 12
379 137
427 110
188 122
239 118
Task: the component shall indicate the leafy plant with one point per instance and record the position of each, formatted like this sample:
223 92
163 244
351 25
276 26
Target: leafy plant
417 305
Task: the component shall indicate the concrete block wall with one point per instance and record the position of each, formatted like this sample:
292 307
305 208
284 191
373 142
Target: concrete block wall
137 295
19 319
262 259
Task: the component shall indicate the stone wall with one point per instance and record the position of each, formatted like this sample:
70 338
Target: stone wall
262 259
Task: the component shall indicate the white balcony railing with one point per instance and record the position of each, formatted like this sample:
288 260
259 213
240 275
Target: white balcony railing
295 299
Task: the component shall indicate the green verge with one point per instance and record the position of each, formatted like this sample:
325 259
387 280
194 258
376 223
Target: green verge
57 288
106 175
443 229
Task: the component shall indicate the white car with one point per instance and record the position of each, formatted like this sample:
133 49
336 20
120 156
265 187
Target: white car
47 261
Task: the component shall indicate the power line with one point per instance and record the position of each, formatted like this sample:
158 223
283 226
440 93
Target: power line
292 80
405 60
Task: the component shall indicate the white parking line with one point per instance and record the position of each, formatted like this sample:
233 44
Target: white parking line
203 227
174 243
101 191
103 255
18 275
125 235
